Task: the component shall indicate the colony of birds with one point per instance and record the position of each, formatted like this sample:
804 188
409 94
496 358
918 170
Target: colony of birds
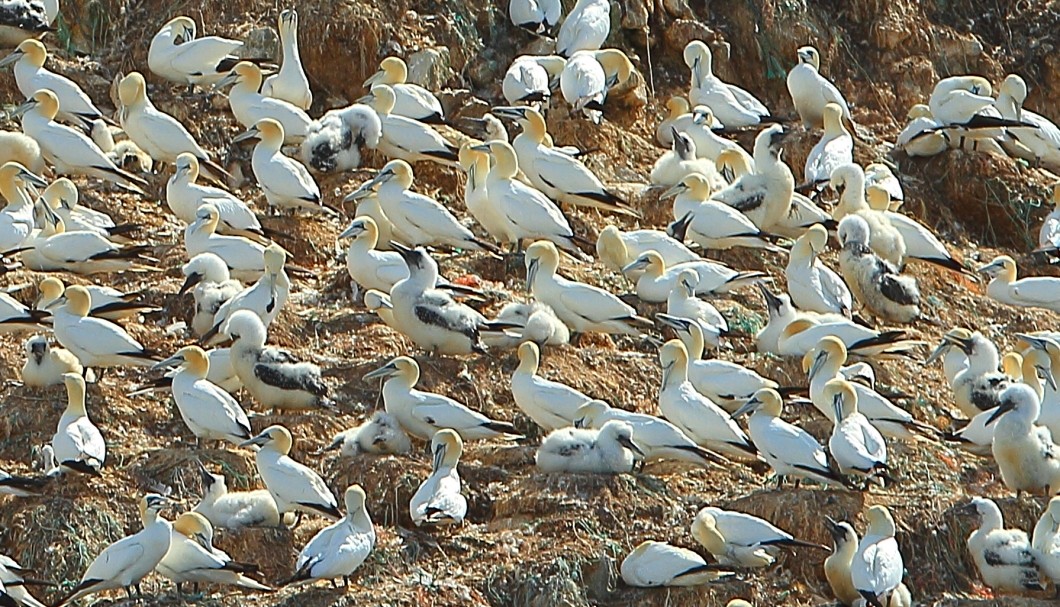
841 322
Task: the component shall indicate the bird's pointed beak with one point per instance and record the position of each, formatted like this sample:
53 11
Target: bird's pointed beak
374 78
1048 375
25 107
937 353
382 372
674 190
747 407
172 361
636 264
229 79
1001 409
674 322
13 57
629 444
837 407
354 229
818 362
193 279
258 440
531 273
988 268
248 134
33 179
368 187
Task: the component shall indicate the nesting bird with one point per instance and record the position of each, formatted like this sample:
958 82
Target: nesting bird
811 92
1035 292
178 55
77 444
382 433
737 539
609 450
732 105
340 548
212 286
875 282
855 444
1028 460
290 84
1004 557
410 100
46 364
293 486
878 568
286 182
585 28
207 410
438 500
192 557
812 285
550 404
654 564
96 342
234 509
31 76
406 138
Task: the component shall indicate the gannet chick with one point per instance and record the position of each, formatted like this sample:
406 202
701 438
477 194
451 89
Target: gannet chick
810 91
177 55
208 276
742 540
243 256
734 107
266 298
96 342
580 306
293 486
367 266
550 404
381 434
585 28
77 443
69 150
340 548
234 510
920 242
535 16
286 182
978 387
31 76
659 564
922 135
1046 540
539 324
155 132
681 161
834 149
274 377
184 197
837 565
609 450
884 238
812 285
1005 558
208 411
1049 233
290 83
250 107
14 583
764 195
655 281
1035 292
438 500
22 20
1026 457
422 414
678 118
559 176
877 568
695 414
410 100
193 558
726 383
529 77
657 438
1043 138
709 223
22 149
404 138
45 364
788 449
682 302
875 282
855 444
333 143
416 219
127 561
107 302
616 248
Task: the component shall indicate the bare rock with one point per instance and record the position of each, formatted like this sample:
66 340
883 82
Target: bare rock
261 42
635 14
430 68
683 31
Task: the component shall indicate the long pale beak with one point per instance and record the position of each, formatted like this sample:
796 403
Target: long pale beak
354 229
1048 375
676 189
25 107
837 532
13 57
172 361
531 273
747 407
815 368
33 179
504 111
204 474
837 407
674 322
229 79
629 444
772 301
385 371
258 440
1002 409
697 78
193 279
636 264
367 187
938 352
249 134
988 268
1035 342
376 77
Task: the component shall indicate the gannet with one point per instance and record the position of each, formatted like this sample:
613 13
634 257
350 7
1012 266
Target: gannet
251 107
880 175
411 101
62 196
274 377
422 414
243 256
659 564
54 248
736 539
221 373
266 298
681 161
920 242
416 219
368 267
550 404
15 316
585 28
812 285
405 138
877 568
24 19
293 486
184 197
46 364
617 248
529 78
77 444
67 149
16 218
655 437
340 548
884 238
475 161
234 510
1027 458
535 16
286 182
156 132
922 135
96 342
193 558
14 583
834 149
31 76
382 433
788 449
290 83
837 565
696 415
1049 233
978 386
208 411
876 283
1034 292
810 91
20 486
208 276
588 76
609 450
1037 371
532 321
709 223
1043 138
733 106
1005 558
682 302
438 500
678 118
655 281
107 302
177 55
765 194
21 148
127 561
582 307
712 146
333 142
560 176
726 383
1046 540
965 101
855 444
